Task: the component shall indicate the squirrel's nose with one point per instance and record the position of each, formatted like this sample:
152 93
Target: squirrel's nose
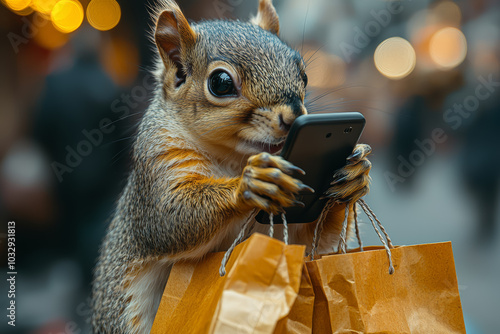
285 125
288 116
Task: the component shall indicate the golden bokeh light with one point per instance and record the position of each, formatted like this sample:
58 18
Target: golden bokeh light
24 12
103 14
49 37
121 60
67 15
17 5
448 47
43 6
395 58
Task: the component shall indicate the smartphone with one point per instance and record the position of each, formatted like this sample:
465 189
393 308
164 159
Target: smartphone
319 144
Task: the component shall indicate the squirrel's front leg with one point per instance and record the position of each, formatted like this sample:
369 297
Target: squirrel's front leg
266 184
200 210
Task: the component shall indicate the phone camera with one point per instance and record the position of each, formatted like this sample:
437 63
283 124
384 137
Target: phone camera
348 130
328 135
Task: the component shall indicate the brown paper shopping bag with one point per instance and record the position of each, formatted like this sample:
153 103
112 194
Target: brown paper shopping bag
269 290
355 294
300 318
264 276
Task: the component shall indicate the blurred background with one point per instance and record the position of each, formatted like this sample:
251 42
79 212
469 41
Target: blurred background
74 82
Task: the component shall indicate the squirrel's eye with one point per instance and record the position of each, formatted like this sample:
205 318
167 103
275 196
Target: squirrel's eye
304 77
221 84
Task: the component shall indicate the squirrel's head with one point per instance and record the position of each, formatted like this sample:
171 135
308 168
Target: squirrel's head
235 85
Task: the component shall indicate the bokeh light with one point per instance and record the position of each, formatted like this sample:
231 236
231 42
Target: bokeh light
121 60
17 5
24 12
49 37
448 47
67 15
44 6
395 58
103 14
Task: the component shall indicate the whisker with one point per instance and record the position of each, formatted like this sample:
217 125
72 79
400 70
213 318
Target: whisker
336 90
333 108
311 61
119 140
308 60
117 157
341 101
124 117
320 96
304 28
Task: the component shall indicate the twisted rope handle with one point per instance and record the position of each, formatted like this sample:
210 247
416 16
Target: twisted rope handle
285 228
343 242
271 225
356 225
377 226
362 202
245 229
319 227
387 245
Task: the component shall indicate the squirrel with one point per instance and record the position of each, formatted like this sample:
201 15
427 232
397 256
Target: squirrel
205 156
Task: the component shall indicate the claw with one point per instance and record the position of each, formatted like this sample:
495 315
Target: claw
266 185
306 187
298 169
299 203
336 200
292 168
342 179
354 156
342 201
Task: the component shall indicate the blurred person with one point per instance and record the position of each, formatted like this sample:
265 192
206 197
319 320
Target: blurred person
68 125
479 132
421 112
56 242
479 161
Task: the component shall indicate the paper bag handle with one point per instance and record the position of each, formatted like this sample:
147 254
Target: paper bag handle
377 226
246 228
285 227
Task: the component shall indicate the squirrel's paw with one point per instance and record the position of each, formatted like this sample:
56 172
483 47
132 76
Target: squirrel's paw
352 182
266 183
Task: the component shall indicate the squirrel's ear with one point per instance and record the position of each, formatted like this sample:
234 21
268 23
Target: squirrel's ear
267 18
173 36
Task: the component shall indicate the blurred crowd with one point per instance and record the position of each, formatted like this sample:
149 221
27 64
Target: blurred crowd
426 75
